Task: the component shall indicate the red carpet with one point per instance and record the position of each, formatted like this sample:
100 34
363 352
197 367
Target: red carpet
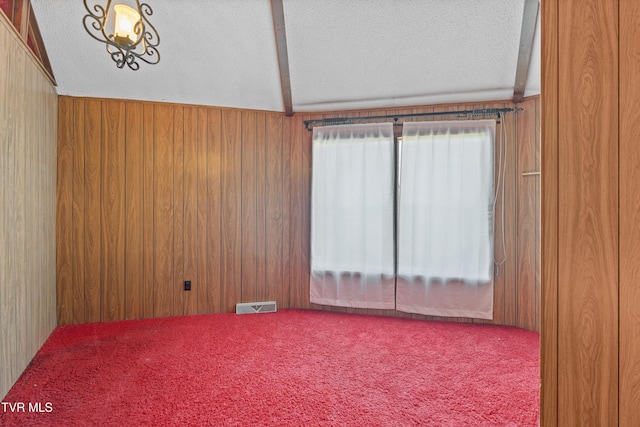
288 368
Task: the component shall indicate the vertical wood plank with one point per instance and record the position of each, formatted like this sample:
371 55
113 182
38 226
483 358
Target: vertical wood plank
538 244
78 206
112 192
526 218
285 290
148 210
202 284
190 305
178 212
6 381
134 204
231 209
163 211
296 216
249 182
588 213
30 130
629 213
15 209
549 216
28 220
510 205
306 218
213 240
261 206
93 212
274 204
64 213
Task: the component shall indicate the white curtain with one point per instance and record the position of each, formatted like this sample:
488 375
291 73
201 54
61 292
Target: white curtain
352 202
445 219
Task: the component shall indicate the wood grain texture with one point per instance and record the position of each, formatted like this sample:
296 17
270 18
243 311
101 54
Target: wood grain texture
510 222
64 213
93 211
297 199
285 289
240 180
78 205
134 207
6 356
588 213
148 213
112 210
507 305
274 205
214 209
190 302
261 205
203 280
231 210
629 370
177 284
526 218
250 190
28 224
549 216
163 211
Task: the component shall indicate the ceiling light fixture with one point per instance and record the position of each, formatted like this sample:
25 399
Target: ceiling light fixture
125 30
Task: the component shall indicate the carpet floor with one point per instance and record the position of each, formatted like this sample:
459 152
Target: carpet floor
292 367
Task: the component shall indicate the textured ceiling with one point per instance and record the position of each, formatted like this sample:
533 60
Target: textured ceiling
342 54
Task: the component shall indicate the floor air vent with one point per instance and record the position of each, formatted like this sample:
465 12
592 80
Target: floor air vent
256 307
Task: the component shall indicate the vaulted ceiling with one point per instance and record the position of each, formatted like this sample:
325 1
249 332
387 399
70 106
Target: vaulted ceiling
341 54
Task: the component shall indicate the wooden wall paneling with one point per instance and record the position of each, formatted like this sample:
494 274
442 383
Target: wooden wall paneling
14 95
77 122
93 212
201 284
190 122
64 212
148 227
113 210
214 245
261 192
588 213
508 269
163 211
231 209
249 183
499 284
549 216
49 104
274 205
24 131
285 290
538 209
134 207
306 216
526 217
177 285
629 370
295 209
5 105
28 225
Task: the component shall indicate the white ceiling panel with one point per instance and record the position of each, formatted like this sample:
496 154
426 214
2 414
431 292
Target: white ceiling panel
342 54
346 55
212 53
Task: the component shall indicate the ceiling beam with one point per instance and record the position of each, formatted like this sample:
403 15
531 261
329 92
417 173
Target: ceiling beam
529 19
283 56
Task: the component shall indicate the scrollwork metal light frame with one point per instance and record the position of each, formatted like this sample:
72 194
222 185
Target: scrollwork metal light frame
144 49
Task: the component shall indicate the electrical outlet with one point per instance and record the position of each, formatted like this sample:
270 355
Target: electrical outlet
187 285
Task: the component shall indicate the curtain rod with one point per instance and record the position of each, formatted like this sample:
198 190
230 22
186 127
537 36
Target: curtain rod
460 113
